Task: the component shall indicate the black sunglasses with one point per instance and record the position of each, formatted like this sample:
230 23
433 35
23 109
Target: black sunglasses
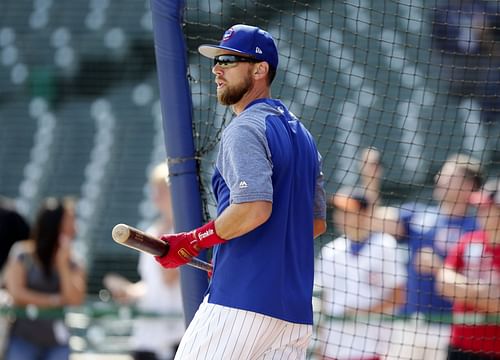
231 60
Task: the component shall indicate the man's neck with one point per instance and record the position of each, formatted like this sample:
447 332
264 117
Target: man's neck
359 236
453 209
254 94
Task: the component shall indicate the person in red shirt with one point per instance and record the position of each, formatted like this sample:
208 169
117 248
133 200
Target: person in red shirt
471 278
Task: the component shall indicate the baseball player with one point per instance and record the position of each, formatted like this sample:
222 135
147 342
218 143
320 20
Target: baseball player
359 274
271 204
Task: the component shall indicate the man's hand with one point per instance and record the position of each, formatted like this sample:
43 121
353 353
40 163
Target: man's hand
182 249
427 262
184 246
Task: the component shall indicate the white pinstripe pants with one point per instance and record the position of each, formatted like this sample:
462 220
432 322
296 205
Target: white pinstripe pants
222 333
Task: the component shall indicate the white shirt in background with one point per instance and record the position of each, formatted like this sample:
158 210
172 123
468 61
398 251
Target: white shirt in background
350 281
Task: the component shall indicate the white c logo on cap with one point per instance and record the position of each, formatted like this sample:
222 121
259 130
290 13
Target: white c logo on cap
228 34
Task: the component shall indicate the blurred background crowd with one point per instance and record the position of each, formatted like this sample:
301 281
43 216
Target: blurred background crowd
402 97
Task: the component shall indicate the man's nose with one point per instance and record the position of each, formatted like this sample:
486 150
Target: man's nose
217 70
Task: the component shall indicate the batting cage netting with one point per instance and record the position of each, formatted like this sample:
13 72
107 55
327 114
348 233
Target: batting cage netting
392 91
402 98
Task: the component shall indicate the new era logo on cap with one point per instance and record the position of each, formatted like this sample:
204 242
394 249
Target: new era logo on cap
245 40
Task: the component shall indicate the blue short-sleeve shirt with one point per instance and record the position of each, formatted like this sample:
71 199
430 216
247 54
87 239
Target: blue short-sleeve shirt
427 227
266 154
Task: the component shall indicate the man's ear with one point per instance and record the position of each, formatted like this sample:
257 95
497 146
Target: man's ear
261 70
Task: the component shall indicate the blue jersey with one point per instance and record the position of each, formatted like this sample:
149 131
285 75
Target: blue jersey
426 227
266 154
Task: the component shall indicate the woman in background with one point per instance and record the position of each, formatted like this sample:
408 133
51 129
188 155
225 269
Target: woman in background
45 275
159 290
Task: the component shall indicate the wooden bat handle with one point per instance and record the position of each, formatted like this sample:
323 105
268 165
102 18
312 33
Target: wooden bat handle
131 237
136 239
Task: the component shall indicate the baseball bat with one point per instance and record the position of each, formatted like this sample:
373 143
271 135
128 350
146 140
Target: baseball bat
131 237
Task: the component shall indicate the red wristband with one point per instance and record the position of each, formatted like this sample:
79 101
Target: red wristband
207 237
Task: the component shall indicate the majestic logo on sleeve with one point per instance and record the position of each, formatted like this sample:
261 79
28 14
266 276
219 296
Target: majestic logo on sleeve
243 184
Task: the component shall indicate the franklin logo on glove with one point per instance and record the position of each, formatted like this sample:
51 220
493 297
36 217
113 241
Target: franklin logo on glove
205 234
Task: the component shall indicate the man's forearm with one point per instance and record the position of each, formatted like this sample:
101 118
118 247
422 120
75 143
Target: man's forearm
389 304
239 219
482 297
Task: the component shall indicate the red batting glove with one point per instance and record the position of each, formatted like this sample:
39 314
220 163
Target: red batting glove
184 246
182 249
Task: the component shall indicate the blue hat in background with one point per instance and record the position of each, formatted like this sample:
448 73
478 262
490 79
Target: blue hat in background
245 40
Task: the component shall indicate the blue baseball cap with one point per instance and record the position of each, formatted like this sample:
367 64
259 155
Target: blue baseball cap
245 40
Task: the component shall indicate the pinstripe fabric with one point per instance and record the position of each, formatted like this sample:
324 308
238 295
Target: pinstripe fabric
218 332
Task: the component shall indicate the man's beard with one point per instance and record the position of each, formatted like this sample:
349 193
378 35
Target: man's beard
234 94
